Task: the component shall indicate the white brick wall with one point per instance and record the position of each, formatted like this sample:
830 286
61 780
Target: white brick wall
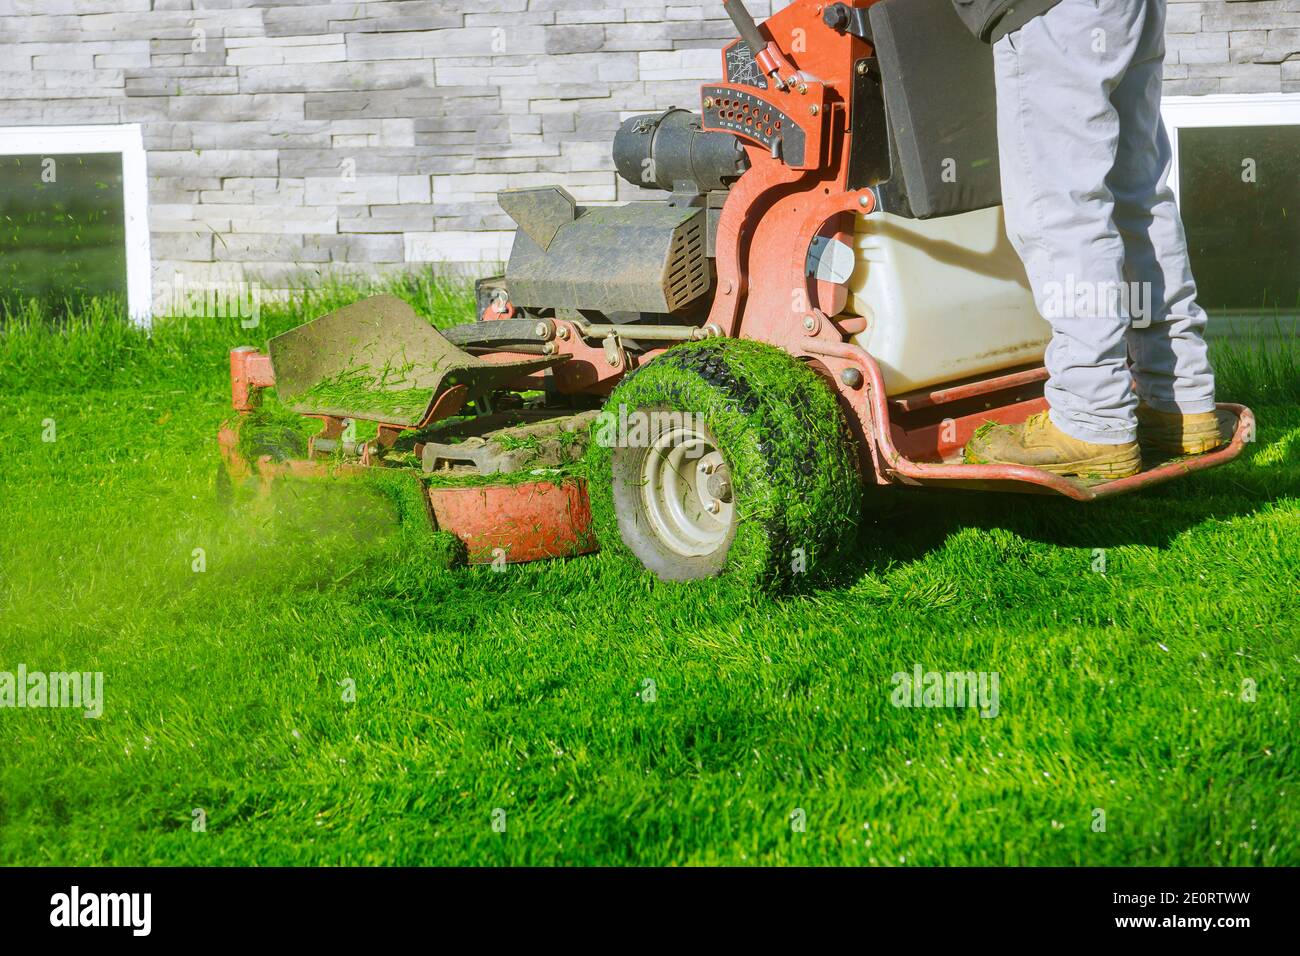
357 136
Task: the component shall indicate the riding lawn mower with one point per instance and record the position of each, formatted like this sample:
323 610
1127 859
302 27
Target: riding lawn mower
825 302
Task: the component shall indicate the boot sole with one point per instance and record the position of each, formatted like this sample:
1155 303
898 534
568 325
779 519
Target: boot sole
1174 448
1111 469
1179 442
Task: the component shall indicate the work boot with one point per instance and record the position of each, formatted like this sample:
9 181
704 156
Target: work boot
1040 444
1179 434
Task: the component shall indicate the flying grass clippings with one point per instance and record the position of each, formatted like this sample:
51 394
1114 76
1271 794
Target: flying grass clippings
417 542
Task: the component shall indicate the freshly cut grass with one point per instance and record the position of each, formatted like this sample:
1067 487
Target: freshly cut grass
614 719
356 391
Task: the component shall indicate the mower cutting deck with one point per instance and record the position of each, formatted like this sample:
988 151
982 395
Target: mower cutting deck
814 310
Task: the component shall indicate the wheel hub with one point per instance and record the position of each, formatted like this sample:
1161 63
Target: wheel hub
686 487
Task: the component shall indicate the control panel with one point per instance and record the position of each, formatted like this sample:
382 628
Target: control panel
743 111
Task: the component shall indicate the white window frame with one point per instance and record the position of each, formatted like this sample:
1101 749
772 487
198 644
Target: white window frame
1225 109
128 140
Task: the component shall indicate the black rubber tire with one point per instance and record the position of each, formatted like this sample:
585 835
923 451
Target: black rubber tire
793 465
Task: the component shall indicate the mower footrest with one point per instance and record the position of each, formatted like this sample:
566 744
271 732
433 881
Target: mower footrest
1021 478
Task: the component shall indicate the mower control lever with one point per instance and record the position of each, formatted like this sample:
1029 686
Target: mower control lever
748 30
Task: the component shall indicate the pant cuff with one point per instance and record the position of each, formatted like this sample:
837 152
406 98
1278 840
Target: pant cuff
1199 407
1104 436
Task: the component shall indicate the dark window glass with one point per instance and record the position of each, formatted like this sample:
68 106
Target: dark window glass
62 229
1244 235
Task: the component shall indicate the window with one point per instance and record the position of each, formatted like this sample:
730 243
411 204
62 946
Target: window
74 214
1237 176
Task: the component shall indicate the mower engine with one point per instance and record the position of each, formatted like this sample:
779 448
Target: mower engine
642 262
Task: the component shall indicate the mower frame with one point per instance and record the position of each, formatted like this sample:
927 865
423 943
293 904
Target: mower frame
790 196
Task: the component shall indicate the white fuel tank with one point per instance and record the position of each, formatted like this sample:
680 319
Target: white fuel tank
944 299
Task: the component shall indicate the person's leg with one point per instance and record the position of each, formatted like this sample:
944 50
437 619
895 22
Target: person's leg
1059 133
1170 363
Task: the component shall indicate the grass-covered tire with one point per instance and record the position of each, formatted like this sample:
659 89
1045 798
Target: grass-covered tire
726 457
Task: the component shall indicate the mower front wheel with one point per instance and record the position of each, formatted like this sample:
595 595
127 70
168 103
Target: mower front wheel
726 457
674 498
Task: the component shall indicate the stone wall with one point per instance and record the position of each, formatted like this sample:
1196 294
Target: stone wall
289 134
1237 46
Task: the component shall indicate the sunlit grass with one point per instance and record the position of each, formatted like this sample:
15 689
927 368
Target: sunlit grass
526 691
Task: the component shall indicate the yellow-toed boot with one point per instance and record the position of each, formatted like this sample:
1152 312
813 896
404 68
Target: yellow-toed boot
1179 434
1040 444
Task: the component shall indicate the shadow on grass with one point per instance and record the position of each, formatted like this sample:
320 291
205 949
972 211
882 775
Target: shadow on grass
905 524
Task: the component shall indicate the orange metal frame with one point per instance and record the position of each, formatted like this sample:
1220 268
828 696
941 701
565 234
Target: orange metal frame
765 291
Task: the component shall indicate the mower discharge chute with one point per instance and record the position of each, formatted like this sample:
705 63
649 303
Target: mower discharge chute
379 361
824 302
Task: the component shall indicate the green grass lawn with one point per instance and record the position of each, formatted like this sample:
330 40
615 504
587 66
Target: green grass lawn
524 695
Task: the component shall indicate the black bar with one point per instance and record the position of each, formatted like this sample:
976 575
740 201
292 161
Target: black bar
334 906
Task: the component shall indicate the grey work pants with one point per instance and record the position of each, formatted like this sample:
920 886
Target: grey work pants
1085 166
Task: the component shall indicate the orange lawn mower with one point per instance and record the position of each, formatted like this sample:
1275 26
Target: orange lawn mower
824 302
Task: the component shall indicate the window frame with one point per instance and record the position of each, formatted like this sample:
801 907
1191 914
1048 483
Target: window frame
1224 110
126 139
